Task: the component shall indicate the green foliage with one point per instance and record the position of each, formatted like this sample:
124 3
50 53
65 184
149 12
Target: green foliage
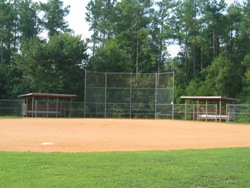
53 19
54 66
110 58
220 78
189 168
244 94
29 23
196 87
128 36
117 111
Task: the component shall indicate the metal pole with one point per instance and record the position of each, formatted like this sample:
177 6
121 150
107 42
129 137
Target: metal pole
130 105
156 93
227 113
173 97
70 108
106 81
35 108
32 106
216 112
206 110
220 110
85 93
47 106
185 110
56 106
193 112
198 110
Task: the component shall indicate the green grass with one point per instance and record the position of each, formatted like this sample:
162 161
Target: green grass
188 168
10 117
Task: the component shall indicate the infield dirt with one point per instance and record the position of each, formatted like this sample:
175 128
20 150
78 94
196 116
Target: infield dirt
100 135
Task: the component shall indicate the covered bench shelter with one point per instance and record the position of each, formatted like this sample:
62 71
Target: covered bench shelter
46 104
211 99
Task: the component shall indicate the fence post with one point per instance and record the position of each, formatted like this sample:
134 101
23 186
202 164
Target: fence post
130 100
156 93
185 110
105 106
227 113
85 93
173 98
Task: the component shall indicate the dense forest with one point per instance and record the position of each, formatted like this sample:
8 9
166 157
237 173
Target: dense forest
40 53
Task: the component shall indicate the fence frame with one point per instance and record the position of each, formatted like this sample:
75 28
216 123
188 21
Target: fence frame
105 87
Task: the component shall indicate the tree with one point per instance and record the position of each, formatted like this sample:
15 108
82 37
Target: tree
128 22
133 32
245 92
55 66
110 58
221 79
163 29
7 24
29 22
214 26
54 14
101 17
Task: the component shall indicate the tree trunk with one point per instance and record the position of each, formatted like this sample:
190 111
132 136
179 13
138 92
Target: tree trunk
137 55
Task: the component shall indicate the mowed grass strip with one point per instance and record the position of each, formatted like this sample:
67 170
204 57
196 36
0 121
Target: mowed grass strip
10 117
187 168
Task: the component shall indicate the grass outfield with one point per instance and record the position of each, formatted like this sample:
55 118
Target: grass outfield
186 168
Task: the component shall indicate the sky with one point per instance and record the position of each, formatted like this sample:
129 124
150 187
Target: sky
76 19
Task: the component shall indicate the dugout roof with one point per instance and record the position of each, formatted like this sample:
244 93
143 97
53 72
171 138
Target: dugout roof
47 95
209 98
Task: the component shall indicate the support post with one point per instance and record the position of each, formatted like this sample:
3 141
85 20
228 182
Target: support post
227 113
130 100
206 110
105 106
198 103
85 93
32 106
56 106
156 93
173 97
185 110
35 108
47 107
220 110
70 108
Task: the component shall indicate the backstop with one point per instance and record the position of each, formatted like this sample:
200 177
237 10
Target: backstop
129 95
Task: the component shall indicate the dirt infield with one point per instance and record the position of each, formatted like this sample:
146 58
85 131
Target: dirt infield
88 135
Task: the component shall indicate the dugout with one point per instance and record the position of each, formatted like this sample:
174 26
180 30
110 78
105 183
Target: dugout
46 105
221 113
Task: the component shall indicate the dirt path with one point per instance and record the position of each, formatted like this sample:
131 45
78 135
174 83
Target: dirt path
87 135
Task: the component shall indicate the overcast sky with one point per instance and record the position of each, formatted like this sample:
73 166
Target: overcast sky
77 23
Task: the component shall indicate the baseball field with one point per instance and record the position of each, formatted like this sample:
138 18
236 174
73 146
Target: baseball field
123 153
93 135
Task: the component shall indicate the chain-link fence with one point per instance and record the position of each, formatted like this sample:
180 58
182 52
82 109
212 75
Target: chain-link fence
201 112
239 112
128 95
10 107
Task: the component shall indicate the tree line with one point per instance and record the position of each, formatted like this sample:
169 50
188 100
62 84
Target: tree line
127 36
